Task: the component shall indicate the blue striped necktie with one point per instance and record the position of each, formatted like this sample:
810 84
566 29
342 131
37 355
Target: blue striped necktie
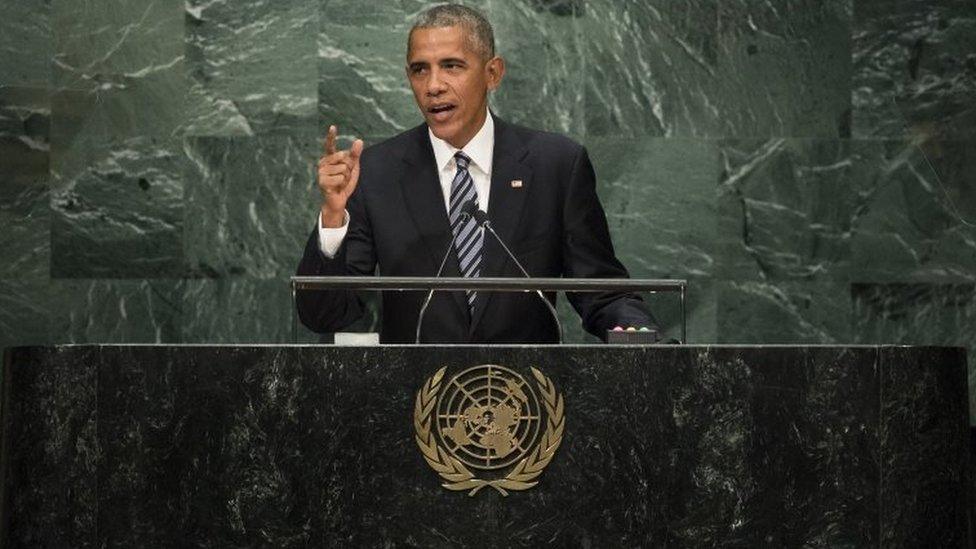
468 238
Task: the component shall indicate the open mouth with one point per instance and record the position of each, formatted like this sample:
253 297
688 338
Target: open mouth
441 112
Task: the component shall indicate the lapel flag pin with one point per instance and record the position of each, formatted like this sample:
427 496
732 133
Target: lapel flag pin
516 183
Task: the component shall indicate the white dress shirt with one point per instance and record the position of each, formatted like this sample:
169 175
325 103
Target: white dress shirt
480 150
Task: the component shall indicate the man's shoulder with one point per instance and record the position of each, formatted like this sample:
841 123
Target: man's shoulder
389 159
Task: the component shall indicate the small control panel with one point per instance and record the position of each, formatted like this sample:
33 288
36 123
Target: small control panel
632 335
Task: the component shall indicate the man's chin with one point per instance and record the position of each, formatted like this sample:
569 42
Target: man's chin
442 131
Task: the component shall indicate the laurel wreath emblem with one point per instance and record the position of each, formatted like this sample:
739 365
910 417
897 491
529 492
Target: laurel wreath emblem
457 476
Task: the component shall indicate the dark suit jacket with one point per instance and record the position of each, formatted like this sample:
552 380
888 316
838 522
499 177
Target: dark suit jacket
553 223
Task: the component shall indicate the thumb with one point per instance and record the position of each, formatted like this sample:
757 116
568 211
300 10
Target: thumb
356 150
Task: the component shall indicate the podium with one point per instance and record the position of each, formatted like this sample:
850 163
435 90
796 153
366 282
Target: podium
295 446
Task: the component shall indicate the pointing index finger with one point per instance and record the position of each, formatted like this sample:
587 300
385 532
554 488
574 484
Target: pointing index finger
330 140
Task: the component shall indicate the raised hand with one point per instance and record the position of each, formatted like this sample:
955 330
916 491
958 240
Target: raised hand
338 176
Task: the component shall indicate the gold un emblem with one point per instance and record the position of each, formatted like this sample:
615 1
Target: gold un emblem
488 418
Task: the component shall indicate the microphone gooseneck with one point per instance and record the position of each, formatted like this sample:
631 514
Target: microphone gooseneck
465 213
482 219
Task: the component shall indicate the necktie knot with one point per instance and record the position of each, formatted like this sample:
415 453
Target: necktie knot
462 160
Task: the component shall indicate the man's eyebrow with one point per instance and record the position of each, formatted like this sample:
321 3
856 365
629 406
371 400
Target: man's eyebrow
418 64
454 60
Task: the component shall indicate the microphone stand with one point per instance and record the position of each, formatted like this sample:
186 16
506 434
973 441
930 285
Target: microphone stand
481 217
440 269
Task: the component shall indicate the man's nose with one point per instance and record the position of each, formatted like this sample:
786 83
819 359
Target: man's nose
435 85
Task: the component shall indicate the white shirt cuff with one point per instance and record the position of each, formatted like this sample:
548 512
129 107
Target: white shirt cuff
331 239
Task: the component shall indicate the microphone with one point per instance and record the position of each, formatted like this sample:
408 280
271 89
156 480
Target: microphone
465 213
471 209
481 218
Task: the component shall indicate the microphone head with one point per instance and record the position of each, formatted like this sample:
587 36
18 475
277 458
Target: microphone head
470 208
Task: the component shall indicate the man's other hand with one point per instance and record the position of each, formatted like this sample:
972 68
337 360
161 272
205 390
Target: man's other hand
338 176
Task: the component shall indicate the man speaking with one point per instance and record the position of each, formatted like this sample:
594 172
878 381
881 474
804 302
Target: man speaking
403 208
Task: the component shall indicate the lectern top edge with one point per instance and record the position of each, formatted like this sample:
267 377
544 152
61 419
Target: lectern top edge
487 283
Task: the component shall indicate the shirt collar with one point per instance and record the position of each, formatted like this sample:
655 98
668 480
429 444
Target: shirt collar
479 149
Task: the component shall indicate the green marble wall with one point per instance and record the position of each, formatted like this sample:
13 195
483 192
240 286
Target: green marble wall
807 164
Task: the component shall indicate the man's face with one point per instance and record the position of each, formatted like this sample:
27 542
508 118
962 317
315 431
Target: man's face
451 82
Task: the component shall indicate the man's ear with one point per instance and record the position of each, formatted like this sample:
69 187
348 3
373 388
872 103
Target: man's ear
495 69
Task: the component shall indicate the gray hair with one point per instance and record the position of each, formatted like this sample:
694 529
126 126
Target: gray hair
479 36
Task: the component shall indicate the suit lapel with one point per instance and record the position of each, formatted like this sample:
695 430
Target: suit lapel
424 198
505 205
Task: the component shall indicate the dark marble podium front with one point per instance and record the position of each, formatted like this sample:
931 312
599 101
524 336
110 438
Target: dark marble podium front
178 446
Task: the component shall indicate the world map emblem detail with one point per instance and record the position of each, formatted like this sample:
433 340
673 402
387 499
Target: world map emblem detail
488 418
